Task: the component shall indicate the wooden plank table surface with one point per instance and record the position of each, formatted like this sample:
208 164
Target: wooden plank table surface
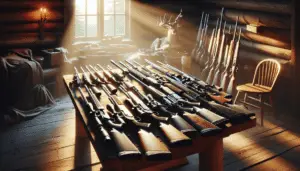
210 149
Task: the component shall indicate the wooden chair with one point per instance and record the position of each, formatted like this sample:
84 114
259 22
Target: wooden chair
265 76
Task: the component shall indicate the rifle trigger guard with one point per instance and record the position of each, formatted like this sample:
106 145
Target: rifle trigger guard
137 118
113 119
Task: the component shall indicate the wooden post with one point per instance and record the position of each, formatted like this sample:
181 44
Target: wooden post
212 158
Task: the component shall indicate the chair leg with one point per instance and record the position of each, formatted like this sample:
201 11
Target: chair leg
237 94
245 97
271 100
261 110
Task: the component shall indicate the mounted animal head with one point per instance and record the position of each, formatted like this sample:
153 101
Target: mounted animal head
168 23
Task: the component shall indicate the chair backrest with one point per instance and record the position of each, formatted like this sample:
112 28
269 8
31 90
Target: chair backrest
266 73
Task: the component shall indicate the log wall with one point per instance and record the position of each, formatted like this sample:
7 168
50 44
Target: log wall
19 20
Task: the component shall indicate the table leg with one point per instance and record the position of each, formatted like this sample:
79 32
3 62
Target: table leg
80 131
212 158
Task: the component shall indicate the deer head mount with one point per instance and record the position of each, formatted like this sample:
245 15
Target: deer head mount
168 23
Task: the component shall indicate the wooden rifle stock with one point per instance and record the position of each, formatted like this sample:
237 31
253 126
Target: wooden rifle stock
216 69
125 148
225 77
231 85
154 148
211 56
225 74
208 74
174 136
208 58
212 117
217 79
204 127
216 62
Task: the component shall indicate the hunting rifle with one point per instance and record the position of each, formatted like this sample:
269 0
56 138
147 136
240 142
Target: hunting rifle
108 75
164 85
173 135
177 120
216 65
207 57
103 79
166 89
154 148
235 113
204 127
203 43
124 147
215 49
231 85
198 84
194 51
86 80
222 63
190 89
225 74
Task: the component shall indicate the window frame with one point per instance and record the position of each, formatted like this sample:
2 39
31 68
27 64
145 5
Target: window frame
100 21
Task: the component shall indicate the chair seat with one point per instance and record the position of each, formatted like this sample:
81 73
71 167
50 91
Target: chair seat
252 88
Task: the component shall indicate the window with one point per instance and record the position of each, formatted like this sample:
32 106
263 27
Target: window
95 19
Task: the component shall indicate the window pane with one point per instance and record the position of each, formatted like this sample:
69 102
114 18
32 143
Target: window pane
108 6
92 26
120 24
120 6
91 6
109 25
79 26
80 7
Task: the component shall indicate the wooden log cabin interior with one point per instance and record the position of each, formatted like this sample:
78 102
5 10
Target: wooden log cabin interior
238 89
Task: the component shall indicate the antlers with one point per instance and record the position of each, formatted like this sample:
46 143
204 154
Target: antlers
168 24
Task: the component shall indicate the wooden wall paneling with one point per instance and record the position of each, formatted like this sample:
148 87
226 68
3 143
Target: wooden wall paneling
254 17
33 4
271 50
31 28
30 16
283 7
269 36
28 40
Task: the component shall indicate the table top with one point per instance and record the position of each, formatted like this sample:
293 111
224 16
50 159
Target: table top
108 157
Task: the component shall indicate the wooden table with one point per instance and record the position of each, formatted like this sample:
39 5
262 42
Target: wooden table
210 149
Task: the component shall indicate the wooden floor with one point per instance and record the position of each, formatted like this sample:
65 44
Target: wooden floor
47 142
